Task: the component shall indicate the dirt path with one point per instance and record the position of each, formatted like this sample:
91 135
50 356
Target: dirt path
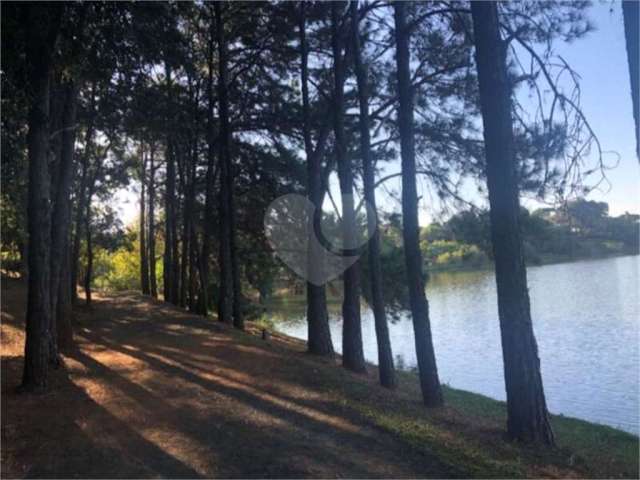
154 392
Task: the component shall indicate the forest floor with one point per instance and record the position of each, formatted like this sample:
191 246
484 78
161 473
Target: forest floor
151 391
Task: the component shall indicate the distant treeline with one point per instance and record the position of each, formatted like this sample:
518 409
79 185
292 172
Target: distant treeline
579 229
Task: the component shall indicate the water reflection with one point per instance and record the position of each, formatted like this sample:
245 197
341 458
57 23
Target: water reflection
586 318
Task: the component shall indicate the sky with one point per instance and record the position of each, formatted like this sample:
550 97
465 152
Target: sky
600 60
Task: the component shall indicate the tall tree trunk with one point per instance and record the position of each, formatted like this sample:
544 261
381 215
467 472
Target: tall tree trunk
186 239
385 356
631 15
528 419
61 214
151 238
144 259
64 311
225 308
89 242
175 215
81 198
169 202
318 335
352 352
191 256
184 171
77 231
226 139
193 270
238 317
207 217
429 382
41 31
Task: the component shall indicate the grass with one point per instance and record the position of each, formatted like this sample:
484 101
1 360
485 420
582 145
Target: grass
468 434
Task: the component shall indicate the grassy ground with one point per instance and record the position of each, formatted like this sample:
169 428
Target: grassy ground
469 433
152 391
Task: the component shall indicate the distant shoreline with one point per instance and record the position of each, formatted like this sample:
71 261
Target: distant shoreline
546 260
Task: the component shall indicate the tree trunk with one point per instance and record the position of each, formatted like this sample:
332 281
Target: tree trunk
352 352
144 259
81 198
193 270
64 311
226 138
61 216
186 251
238 318
207 217
631 15
169 202
42 27
429 382
225 308
528 419
318 335
87 229
186 244
385 356
175 215
151 238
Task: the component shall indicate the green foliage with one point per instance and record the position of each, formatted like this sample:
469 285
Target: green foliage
119 270
116 264
449 253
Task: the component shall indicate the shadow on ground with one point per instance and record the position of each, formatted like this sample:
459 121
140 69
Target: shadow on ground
152 391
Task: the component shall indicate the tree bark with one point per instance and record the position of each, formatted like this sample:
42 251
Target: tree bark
207 217
175 215
89 242
169 203
64 311
191 256
631 15
386 369
144 259
61 218
193 270
151 238
318 335
528 419
352 352
238 317
186 234
226 301
42 25
429 381
81 199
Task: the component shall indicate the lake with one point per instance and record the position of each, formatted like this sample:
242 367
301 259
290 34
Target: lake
587 323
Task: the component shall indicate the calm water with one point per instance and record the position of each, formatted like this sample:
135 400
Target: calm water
586 319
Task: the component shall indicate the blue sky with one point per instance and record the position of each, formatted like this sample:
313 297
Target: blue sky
600 59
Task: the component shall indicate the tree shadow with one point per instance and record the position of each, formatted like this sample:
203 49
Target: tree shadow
65 434
154 391
311 430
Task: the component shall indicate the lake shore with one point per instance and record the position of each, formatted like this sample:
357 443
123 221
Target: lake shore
546 259
592 302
